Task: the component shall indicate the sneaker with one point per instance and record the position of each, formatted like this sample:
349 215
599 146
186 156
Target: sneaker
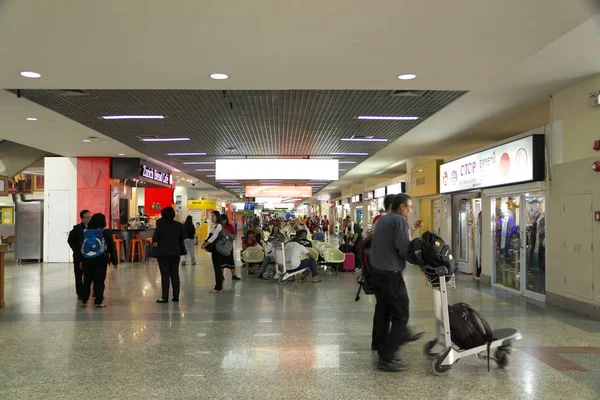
391 365
260 276
236 278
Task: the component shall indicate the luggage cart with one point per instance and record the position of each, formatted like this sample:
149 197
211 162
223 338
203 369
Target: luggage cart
443 353
281 274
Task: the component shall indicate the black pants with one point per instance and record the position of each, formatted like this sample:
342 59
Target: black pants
217 261
78 278
306 263
169 274
94 270
391 309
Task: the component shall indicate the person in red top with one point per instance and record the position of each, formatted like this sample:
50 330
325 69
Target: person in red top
249 241
227 261
325 224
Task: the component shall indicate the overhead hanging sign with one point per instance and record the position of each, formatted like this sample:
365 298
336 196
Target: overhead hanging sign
279 191
396 188
515 162
379 193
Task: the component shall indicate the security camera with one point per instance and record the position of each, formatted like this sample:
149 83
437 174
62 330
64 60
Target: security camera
193 184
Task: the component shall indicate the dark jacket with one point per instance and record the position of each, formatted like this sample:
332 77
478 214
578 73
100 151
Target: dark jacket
169 235
389 246
111 250
190 230
75 241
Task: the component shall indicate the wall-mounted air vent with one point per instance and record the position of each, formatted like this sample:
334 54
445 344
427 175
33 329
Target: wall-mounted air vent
409 93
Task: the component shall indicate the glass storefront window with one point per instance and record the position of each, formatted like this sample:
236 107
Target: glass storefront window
535 230
507 241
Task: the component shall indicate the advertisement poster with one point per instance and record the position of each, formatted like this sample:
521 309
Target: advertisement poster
20 183
114 202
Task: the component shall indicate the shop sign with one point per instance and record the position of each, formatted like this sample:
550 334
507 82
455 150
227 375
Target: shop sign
515 162
201 204
369 195
154 175
396 188
425 180
356 198
379 192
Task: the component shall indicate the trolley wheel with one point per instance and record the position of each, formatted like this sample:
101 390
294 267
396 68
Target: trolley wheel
428 347
437 368
501 357
281 279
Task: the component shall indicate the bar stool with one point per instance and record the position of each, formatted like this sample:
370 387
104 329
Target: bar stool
135 245
147 241
118 244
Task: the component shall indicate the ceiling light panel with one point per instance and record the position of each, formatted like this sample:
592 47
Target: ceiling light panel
181 139
387 118
264 169
111 117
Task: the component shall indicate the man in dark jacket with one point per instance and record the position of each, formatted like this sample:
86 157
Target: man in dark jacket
75 241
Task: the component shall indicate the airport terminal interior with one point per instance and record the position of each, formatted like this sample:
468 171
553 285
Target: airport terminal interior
227 200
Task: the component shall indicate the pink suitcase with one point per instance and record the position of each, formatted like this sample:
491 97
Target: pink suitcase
349 264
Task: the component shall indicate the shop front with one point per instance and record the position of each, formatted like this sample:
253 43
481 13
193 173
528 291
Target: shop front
425 191
498 214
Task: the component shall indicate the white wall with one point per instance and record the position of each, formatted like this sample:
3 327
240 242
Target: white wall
60 173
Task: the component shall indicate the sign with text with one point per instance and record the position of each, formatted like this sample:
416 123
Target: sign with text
379 193
515 162
154 175
280 191
201 204
396 188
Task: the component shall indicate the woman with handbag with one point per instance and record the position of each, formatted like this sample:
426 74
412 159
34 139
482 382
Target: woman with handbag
227 261
168 240
209 245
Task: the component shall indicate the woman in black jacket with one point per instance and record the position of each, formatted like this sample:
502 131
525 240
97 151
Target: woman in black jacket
95 263
168 240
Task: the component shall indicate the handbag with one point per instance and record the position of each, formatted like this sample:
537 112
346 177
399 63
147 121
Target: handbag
152 251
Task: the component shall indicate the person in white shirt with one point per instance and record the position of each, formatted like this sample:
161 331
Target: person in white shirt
293 252
209 245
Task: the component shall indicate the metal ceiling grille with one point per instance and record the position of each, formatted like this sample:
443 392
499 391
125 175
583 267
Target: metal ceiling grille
268 123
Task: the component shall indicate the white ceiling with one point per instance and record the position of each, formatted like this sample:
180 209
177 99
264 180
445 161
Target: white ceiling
511 55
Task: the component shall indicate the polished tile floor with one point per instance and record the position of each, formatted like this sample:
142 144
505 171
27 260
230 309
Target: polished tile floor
259 340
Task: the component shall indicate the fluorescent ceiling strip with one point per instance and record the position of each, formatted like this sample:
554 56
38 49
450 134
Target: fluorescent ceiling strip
384 118
177 139
349 154
199 162
205 170
276 169
363 140
344 162
186 154
133 117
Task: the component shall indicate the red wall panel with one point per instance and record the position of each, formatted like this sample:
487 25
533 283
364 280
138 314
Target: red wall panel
93 185
162 196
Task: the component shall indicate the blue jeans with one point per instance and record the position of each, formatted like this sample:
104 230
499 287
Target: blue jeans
307 263
269 259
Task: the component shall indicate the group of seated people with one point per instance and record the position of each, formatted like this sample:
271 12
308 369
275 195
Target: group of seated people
255 236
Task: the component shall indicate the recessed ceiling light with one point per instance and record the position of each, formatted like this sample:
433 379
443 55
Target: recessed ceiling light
199 162
342 170
349 154
30 74
406 77
133 117
121 154
178 139
231 149
210 176
186 154
87 141
353 139
31 119
386 118
219 76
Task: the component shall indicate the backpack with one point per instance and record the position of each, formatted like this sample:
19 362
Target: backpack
94 244
224 243
365 278
468 329
431 252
